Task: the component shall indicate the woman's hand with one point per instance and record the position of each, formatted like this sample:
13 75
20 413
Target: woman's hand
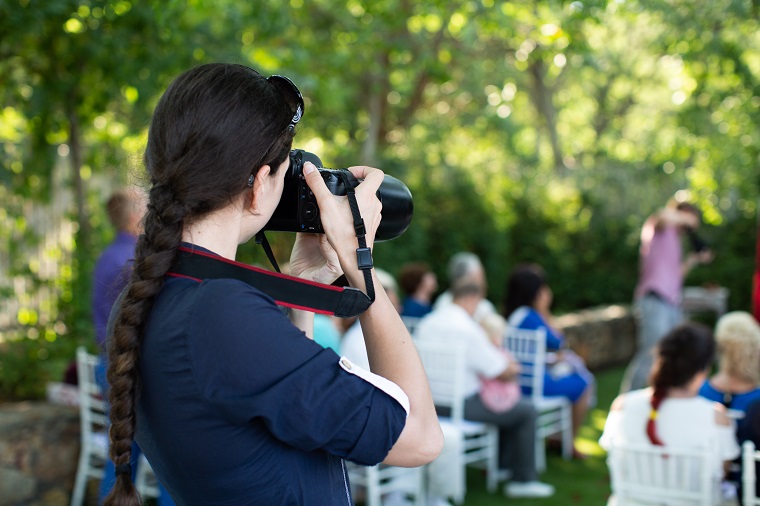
314 259
337 219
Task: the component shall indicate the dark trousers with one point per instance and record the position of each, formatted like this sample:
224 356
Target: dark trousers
517 434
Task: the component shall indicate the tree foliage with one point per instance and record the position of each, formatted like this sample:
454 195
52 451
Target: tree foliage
527 131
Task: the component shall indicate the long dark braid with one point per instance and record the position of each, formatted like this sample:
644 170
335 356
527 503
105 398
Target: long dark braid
682 353
214 126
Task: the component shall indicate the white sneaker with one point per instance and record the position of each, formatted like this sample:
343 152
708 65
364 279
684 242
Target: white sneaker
528 489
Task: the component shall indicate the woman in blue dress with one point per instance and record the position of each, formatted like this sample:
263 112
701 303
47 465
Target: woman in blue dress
528 303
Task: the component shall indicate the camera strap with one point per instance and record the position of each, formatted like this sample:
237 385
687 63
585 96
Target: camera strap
288 291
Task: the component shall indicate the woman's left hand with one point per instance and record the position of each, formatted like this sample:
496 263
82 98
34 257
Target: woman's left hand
314 259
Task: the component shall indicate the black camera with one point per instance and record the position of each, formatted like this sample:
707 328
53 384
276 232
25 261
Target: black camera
698 243
297 210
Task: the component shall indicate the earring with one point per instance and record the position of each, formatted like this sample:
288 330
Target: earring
250 180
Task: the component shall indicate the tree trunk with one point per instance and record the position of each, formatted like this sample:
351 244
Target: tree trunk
376 107
80 195
543 101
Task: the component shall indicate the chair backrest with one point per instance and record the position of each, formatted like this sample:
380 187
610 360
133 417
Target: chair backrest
444 361
92 406
529 348
663 475
750 459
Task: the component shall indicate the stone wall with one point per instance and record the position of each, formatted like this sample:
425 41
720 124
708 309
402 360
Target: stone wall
603 336
39 448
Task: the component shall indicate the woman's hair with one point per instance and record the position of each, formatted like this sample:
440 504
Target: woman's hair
212 129
523 286
411 276
738 336
685 351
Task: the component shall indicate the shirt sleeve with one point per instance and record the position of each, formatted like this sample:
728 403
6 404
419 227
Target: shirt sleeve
611 429
533 321
482 356
255 367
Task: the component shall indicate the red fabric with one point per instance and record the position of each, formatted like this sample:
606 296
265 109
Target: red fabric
656 400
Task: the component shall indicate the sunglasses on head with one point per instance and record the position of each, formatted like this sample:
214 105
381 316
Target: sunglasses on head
292 96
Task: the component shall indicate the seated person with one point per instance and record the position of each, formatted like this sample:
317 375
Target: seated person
445 475
419 284
528 303
737 381
466 266
517 426
671 413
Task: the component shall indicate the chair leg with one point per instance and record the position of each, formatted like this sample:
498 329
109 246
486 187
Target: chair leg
540 453
420 497
567 433
493 464
77 495
373 487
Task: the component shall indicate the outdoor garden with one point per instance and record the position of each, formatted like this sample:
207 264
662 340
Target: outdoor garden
529 131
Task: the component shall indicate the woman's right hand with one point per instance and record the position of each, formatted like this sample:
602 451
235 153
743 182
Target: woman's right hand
336 217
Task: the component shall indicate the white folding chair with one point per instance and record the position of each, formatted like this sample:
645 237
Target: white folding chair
750 457
445 362
93 420
93 452
381 479
663 475
554 413
146 482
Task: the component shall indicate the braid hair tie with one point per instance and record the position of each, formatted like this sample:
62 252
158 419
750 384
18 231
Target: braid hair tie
124 469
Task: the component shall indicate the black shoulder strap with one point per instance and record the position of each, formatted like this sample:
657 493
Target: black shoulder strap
286 290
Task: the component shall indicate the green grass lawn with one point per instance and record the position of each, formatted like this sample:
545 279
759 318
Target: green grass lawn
584 482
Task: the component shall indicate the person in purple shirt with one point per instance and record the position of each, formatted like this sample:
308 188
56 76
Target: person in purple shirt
126 208
662 269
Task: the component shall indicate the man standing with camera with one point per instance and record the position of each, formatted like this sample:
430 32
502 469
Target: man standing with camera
662 269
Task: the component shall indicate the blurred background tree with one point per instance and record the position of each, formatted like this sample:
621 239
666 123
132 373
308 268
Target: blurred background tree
527 131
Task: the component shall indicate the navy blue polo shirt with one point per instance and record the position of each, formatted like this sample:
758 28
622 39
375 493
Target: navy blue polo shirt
237 406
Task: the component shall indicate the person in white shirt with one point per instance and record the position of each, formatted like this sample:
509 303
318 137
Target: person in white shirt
445 476
670 412
465 266
517 426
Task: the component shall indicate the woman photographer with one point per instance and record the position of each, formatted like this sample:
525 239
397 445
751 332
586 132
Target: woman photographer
230 400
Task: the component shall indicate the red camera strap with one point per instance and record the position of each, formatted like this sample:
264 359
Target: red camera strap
286 290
